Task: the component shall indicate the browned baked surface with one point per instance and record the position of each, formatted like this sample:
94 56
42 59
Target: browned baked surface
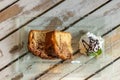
36 43
60 42
50 44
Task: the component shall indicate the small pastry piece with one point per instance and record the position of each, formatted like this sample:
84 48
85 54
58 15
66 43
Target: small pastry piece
50 44
59 43
36 43
91 45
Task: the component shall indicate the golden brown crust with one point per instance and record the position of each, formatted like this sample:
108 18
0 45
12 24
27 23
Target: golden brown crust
41 53
55 44
60 46
64 53
49 44
29 40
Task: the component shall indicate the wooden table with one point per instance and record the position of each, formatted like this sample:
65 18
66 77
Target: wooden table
18 17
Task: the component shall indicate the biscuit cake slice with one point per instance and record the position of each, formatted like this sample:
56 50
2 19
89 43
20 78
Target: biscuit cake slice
36 43
50 44
59 43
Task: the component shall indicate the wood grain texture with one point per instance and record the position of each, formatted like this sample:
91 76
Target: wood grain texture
20 13
110 54
65 14
35 67
29 66
99 24
19 38
5 3
112 72
78 72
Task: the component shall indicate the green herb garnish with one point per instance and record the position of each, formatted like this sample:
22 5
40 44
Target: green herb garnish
95 54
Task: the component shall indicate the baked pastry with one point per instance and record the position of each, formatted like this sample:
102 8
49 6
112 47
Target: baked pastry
36 43
59 43
91 45
50 44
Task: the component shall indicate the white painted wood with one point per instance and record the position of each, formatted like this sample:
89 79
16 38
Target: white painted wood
36 67
21 12
110 73
81 72
96 64
26 64
22 35
65 14
5 3
61 70
12 47
12 42
92 24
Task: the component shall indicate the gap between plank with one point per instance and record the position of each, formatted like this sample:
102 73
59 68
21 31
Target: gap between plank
31 20
9 5
72 25
14 61
111 30
92 58
54 66
108 63
81 18
85 15
76 69
50 9
20 28
102 68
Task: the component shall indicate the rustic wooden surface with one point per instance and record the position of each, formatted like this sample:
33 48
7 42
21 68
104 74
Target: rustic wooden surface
23 13
113 71
6 3
35 24
17 18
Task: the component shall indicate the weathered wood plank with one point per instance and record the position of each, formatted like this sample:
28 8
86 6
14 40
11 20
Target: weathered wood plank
26 64
21 13
13 43
112 72
38 72
110 54
36 65
76 71
17 40
5 3
99 27
45 63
